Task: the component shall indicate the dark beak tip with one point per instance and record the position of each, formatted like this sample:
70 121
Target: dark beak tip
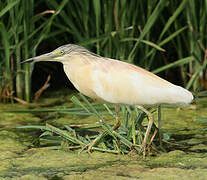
27 61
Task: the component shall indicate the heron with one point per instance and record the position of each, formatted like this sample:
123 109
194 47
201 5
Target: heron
114 81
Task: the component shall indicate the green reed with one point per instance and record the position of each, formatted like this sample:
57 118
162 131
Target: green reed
154 34
101 137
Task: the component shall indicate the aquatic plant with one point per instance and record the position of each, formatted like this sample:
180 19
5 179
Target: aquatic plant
156 35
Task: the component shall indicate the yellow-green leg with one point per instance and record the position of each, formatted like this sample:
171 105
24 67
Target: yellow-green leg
115 127
160 125
144 142
118 122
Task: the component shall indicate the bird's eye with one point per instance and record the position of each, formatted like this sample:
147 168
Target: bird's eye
62 52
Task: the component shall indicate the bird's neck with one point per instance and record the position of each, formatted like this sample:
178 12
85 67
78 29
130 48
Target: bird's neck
79 61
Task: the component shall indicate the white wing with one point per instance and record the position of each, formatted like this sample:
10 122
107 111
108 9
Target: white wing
122 83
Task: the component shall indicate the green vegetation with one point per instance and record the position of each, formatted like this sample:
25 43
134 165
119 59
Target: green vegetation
102 137
183 130
156 35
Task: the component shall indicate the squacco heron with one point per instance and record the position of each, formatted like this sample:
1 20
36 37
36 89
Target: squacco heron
114 81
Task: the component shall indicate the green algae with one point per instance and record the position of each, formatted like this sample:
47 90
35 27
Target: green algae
199 148
10 141
48 163
187 156
179 160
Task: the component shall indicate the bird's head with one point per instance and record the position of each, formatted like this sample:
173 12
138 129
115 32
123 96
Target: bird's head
61 54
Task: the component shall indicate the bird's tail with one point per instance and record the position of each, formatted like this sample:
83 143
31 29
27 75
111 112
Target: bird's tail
180 96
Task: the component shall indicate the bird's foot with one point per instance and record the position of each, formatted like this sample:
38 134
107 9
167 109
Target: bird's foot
117 125
90 145
83 148
143 150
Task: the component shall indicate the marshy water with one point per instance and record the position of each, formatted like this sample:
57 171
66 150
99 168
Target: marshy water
21 158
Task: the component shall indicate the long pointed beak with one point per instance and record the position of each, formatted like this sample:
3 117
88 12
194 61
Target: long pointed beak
27 61
44 57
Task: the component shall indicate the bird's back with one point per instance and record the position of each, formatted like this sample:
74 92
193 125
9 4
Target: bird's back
123 83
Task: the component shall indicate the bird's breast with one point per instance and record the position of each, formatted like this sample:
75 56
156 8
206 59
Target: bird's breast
81 78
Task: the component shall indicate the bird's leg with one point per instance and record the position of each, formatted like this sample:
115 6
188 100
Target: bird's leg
144 142
160 125
118 123
115 127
